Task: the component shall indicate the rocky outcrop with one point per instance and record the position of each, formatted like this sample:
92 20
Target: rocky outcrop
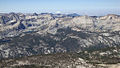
13 21
65 40
61 60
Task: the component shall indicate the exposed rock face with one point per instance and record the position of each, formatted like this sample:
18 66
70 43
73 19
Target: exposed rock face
60 30
110 22
32 34
52 21
65 40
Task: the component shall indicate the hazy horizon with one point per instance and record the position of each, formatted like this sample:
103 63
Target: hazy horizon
82 7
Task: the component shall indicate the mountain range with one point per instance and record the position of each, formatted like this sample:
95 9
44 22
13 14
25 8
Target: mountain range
24 35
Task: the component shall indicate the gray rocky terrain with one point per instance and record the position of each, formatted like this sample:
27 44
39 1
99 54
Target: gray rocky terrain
24 35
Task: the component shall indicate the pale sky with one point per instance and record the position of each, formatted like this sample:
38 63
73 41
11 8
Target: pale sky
83 7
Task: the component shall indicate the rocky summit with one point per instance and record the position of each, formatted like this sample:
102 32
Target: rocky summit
85 41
